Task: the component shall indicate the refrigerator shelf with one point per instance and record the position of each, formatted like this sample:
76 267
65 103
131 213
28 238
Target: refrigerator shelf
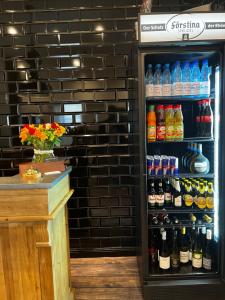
184 223
184 271
178 98
183 175
183 210
185 140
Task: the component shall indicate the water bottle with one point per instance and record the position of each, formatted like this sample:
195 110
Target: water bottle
195 79
166 81
204 81
157 81
177 80
149 82
186 78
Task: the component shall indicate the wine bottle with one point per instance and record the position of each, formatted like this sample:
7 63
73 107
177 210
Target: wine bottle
209 196
201 201
167 194
197 253
152 249
175 256
188 195
199 163
164 255
203 237
151 195
208 253
160 195
177 196
184 249
191 240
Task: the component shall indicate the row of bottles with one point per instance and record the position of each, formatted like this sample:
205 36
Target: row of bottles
204 119
182 79
172 249
165 123
194 161
174 192
162 165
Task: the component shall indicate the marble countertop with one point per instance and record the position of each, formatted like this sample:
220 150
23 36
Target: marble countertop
17 183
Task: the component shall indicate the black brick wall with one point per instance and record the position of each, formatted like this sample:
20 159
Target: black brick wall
58 64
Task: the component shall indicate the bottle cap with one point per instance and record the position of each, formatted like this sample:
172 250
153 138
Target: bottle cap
149 65
170 106
160 106
167 65
151 107
158 66
208 234
205 61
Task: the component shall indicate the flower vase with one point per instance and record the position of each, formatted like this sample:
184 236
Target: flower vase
41 156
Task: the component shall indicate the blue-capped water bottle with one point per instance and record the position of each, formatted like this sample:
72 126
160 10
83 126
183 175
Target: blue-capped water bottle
186 78
157 81
204 81
149 82
195 79
166 81
177 79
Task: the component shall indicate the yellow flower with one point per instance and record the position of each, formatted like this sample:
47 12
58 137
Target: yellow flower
41 135
48 126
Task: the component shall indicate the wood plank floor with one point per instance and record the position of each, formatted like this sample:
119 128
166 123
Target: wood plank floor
106 278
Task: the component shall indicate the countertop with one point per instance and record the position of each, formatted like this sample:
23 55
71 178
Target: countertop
17 183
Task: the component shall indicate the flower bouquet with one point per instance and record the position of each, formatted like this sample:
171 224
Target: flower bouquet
44 137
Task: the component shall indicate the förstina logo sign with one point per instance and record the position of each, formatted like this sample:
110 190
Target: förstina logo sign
186 26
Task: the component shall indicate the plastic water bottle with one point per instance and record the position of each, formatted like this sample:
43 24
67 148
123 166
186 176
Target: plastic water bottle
195 79
149 82
186 78
177 79
157 80
166 81
204 81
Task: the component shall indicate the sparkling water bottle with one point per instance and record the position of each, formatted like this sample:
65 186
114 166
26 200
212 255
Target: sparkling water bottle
186 78
149 82
177 80
204 81
166 81
195 79
157 80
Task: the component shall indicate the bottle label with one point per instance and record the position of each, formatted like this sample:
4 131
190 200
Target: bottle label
149 90
207 119
178 132
164 262
151 199
188 200
207 263
195 88
200 167
209 202
184 257
166 90
161 130
157 90
151 133
178 201
187 88
169 132
175 262
160 199
168 197
204 88
197 261
201 202
177 88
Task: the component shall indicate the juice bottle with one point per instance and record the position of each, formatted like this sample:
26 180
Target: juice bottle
169 121
178 123
160 120
151 124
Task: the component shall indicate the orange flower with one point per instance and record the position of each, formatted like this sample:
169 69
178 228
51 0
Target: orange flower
41 135
23 136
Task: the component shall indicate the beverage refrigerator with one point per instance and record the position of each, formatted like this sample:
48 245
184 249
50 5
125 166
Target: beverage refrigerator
162 227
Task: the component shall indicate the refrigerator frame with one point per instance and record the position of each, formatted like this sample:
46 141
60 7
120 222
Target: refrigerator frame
194 286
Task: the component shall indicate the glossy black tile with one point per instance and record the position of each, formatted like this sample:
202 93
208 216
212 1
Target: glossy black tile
22 17
113 13
118 60
92 38
89 107
116 83
13 52
94 84
79 26
91 14
27 40
105 73
104 95
72 85
45 16
93 61
110 222
96 129
51 39
13 30
70 39
12 5
67 15
34 4
6 17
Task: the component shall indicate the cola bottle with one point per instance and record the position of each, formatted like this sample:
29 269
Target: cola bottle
207 119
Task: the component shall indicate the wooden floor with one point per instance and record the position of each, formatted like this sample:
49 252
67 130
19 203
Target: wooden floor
106 278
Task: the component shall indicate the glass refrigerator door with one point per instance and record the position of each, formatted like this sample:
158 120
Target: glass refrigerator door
182 192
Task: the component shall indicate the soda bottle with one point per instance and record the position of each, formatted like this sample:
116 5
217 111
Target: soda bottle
178 123
151 124
199 131
160 123
149 82
195 79
166 81
204 82
186 78
207 119
177 80
169 121
157 81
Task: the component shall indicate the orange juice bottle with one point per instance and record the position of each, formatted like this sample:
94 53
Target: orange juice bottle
151 124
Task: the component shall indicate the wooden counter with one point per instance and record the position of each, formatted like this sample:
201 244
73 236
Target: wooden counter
34 248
